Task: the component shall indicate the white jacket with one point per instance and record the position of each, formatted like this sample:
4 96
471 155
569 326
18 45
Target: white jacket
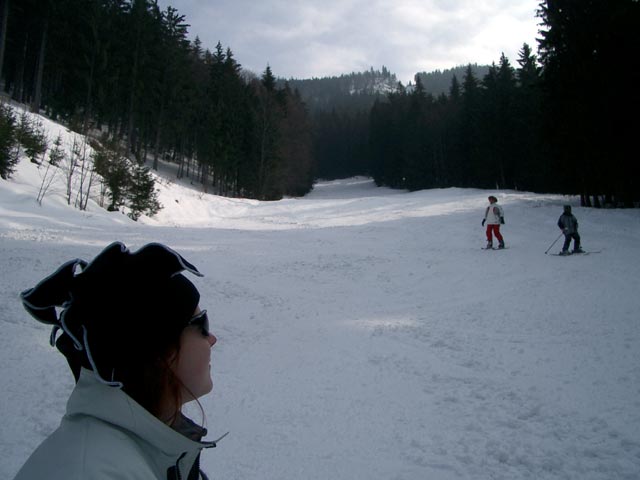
493 213
105 434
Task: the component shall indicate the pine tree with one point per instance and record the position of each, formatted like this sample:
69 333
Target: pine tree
417 170
173 54
56 154
586 114
296 147
7 141
268 112
268 80
533 168
142 195
115 172
470 135
505 149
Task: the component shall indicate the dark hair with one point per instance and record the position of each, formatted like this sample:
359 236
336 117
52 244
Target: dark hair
151 382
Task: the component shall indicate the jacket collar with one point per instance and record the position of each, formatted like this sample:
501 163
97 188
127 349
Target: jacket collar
112 405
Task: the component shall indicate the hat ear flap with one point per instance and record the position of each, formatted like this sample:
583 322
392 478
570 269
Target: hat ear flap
53 291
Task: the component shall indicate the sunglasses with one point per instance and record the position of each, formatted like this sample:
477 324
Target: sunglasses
201 320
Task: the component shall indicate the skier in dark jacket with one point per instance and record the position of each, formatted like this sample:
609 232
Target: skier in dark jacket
568 223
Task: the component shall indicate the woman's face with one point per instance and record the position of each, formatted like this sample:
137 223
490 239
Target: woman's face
193 367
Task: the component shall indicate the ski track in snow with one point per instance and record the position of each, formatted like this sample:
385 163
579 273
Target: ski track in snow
364 334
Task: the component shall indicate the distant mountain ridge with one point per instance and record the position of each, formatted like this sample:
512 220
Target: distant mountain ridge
359 90
353 90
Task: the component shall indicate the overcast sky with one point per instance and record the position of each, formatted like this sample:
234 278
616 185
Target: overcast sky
312 38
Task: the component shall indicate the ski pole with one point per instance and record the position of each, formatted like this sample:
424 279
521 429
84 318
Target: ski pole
554 242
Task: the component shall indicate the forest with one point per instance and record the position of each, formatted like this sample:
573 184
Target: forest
562 119
124 73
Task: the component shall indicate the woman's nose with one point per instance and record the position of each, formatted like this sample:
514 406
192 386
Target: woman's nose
212 339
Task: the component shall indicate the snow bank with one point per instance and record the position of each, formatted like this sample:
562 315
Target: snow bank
363 333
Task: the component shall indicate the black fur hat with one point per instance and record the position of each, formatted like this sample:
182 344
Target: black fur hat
120 307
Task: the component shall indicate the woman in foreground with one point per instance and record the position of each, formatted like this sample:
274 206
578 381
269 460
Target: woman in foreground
139 347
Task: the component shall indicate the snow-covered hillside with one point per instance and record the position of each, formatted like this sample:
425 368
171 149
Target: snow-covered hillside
363 333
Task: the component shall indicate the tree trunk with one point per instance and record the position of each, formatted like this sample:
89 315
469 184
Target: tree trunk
132 90
18 92
3 36
88 107
156 147
37 96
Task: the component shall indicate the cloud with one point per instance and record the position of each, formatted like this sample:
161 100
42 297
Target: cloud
308 38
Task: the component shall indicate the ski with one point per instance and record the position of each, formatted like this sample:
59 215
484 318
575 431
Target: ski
569 254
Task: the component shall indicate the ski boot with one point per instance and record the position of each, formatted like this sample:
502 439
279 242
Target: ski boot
489 246
578 250
564 253
501 245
